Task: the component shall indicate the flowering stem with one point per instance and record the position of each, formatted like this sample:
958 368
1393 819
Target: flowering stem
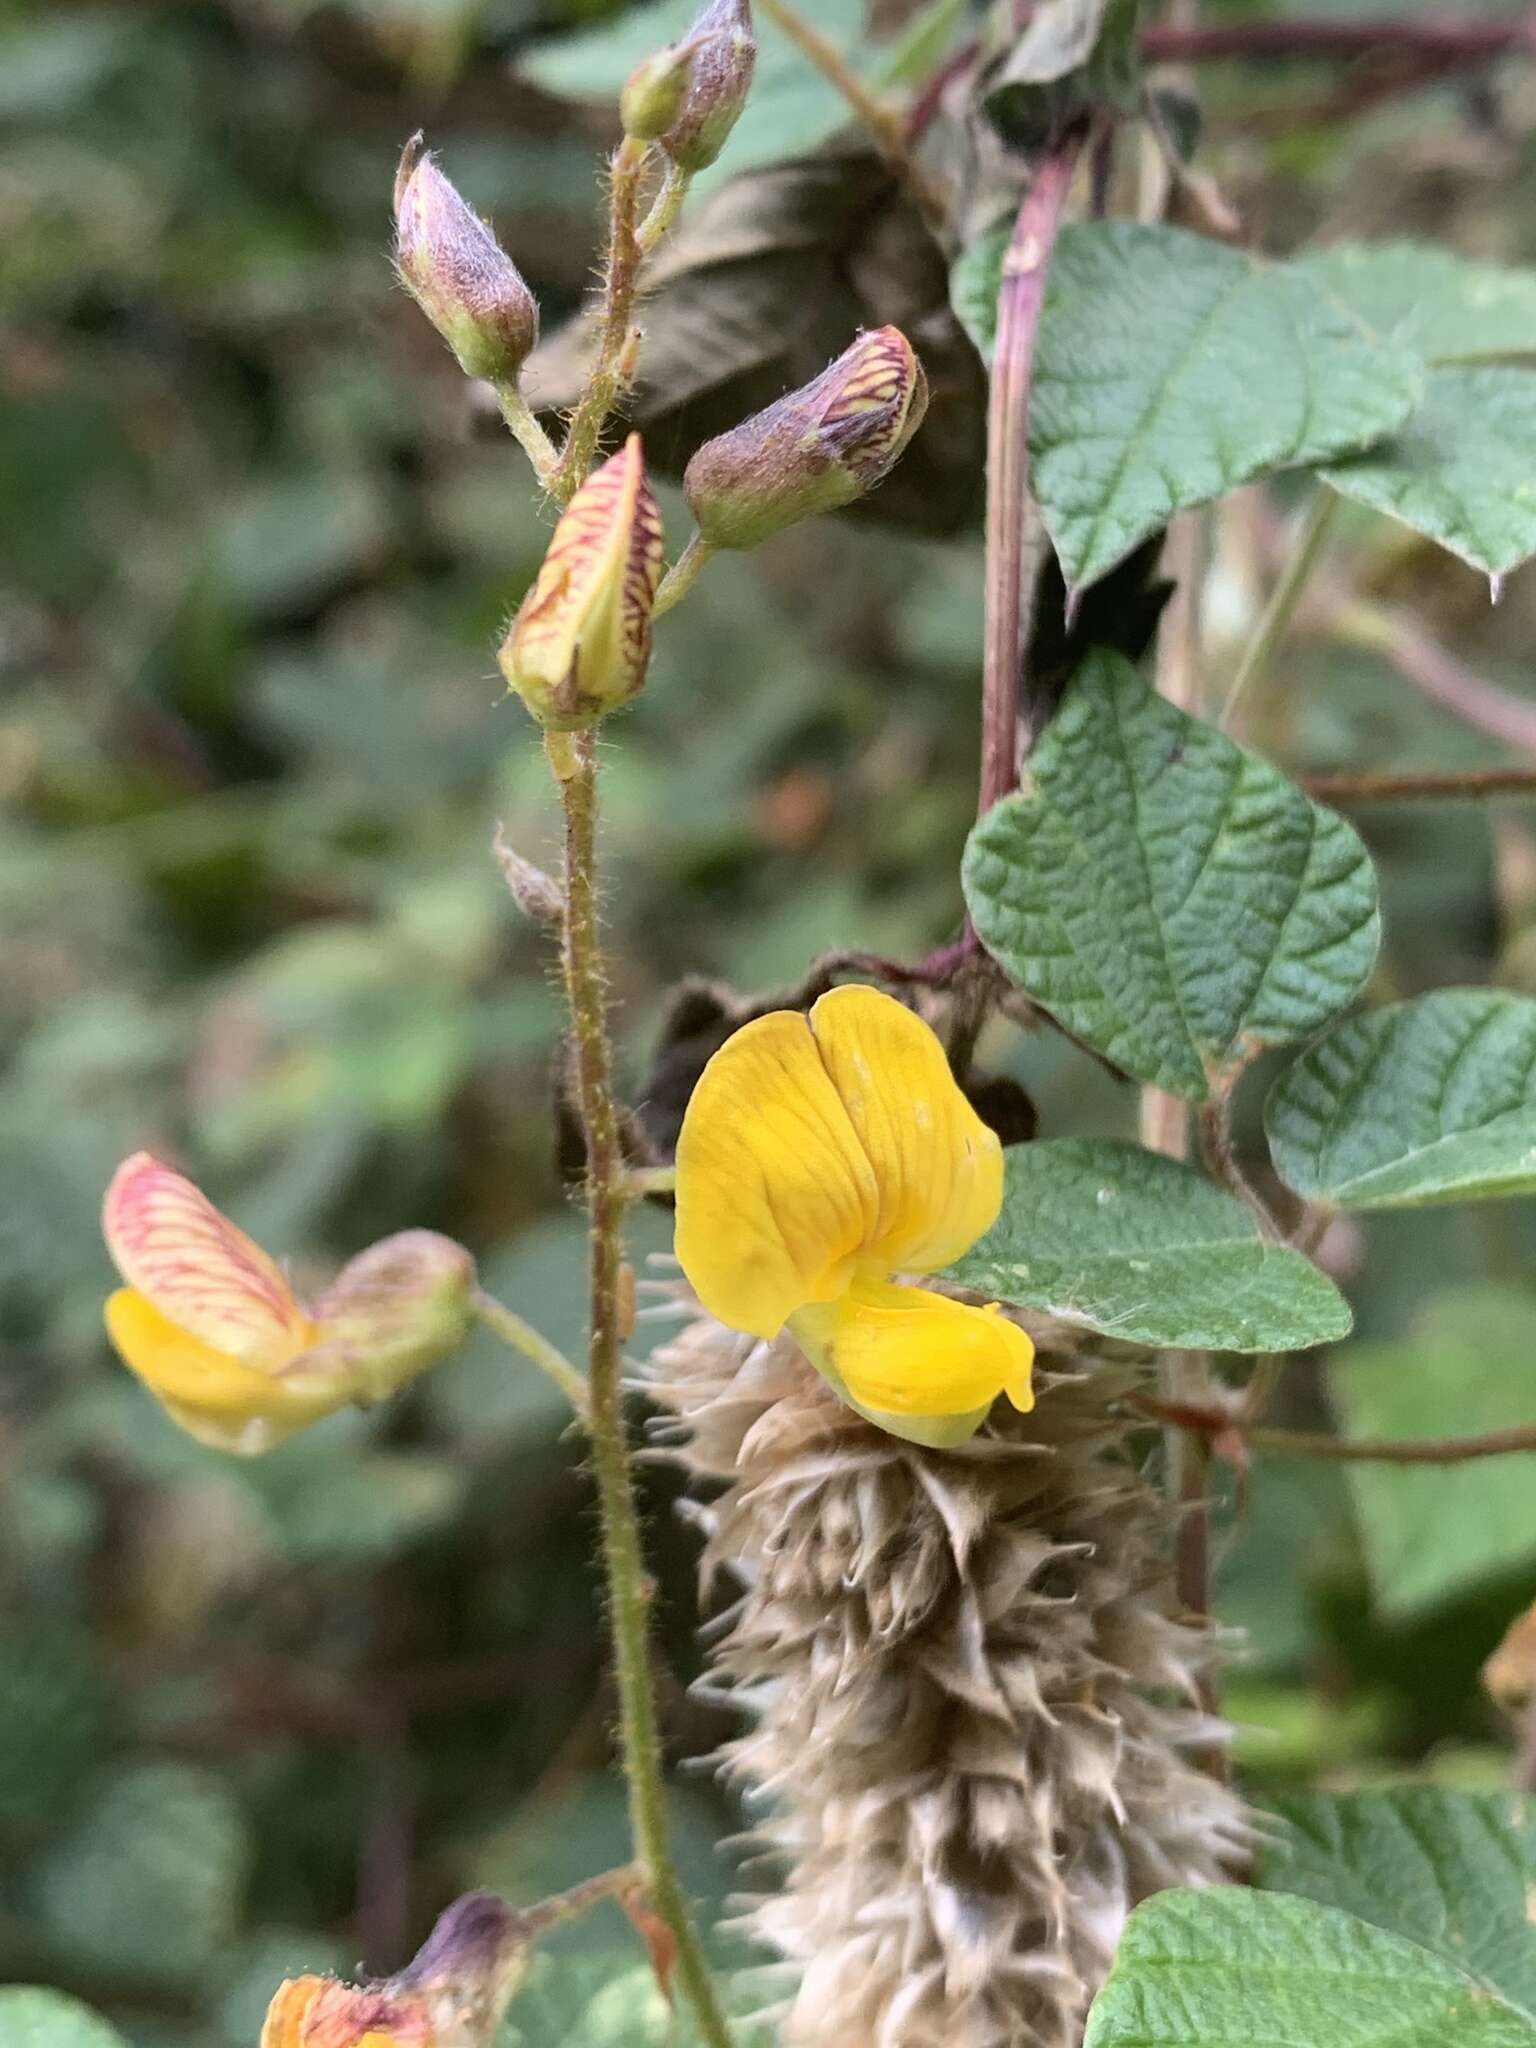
683 574
1013 522
523 1337
535 443
1468 784
573 758
1276 617
597 400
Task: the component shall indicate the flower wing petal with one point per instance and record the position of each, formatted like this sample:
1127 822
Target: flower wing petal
775 1194
215 1397
170 1243
938 1167
902 1354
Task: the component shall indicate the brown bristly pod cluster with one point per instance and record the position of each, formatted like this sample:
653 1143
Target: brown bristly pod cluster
973 1738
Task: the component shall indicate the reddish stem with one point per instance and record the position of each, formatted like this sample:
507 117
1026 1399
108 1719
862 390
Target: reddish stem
1019 300
1447 40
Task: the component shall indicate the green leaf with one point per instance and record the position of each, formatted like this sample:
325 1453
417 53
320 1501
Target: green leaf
1169 369
1106 1234
1430 1531
790 109
1432 1100
31 2017
1463 469
1173 900
1444 308
1239 1969
1452 1872
147 1884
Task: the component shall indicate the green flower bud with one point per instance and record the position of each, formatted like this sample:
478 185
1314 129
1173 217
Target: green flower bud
724 51
459 274
394 1310
814 450
581 640
654 92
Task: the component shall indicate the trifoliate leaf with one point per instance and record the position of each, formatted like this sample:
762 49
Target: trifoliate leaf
1451 1871
1235 1969
1123 1240
1431 1531
1436 303
1173 900
1169 369
1432 1100
1462 470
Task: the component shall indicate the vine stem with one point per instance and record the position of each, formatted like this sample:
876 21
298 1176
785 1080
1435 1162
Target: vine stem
1013 520
574 761
1468 784
523 1337
1283 599
1212 1420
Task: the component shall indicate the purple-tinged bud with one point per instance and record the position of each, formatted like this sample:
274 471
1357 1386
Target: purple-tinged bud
655 91
724 51
815 449
459 274
581 640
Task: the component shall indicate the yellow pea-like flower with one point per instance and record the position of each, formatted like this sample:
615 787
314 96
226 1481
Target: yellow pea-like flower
213 1329
318 2012
820 1157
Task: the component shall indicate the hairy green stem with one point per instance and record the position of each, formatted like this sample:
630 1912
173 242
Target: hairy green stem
664 209
523 1337
573 758
682 575
1276 616
535 443
619 279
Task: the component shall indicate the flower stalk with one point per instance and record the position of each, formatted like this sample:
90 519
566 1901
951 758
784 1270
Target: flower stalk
621 273
573 759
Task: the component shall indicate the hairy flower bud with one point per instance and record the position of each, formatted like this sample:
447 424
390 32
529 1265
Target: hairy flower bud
459 274
580 642
655 91
815 449
397 1308
724 51
452 1996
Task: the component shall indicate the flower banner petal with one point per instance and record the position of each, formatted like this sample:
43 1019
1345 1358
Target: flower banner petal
937 1166
170 1243
775 1195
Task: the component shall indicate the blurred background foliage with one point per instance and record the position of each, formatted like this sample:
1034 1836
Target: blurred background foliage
260 1717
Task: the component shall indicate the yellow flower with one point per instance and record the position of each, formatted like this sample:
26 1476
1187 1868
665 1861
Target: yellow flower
821 1156
318 2012
211 1326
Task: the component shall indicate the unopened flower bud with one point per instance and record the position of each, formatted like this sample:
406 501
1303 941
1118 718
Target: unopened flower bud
452 1996
654 92
719 74
459 274
395 1309
814 450
580 642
